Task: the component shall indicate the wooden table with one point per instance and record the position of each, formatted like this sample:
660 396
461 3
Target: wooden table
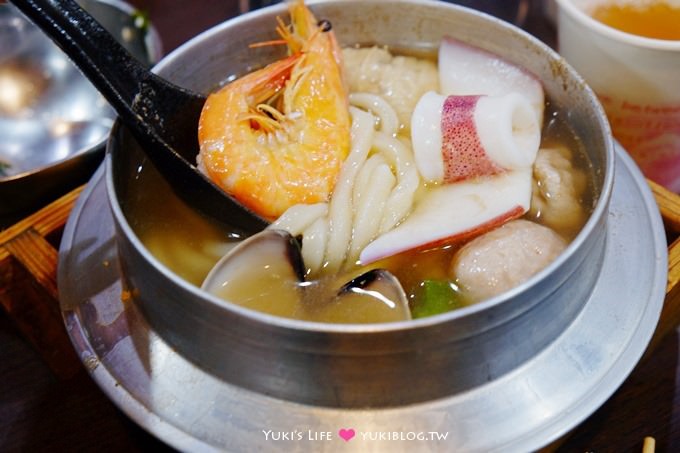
49 403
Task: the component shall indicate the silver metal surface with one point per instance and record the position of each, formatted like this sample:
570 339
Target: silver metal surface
53 122
379 365
524 410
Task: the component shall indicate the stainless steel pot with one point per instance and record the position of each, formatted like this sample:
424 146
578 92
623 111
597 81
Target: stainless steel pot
367 365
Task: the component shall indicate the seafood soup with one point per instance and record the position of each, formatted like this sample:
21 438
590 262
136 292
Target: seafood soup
399 184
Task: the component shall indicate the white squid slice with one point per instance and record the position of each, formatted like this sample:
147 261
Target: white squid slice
465 69
456 211
477 141
459 137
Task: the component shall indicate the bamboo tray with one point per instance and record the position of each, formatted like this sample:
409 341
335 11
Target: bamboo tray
29 293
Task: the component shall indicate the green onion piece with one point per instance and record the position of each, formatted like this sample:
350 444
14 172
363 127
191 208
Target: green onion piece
433 297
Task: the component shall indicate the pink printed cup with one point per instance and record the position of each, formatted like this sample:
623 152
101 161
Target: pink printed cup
637 80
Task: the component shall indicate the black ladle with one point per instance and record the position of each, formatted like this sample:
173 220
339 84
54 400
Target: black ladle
163 117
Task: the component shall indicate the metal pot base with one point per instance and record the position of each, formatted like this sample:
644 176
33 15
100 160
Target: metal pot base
522 411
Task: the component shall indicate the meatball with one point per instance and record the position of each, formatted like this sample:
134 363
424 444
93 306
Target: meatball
503 258
558 188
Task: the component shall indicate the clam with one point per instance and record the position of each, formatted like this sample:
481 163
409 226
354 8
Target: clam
374 296
266 272
263 272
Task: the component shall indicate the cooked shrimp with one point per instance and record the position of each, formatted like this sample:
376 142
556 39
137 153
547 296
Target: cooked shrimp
278 136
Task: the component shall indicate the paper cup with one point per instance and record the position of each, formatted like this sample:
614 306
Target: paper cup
638 81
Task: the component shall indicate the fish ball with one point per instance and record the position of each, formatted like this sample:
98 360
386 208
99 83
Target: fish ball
558 188
504 257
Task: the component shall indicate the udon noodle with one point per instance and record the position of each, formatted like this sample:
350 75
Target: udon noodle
374 191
